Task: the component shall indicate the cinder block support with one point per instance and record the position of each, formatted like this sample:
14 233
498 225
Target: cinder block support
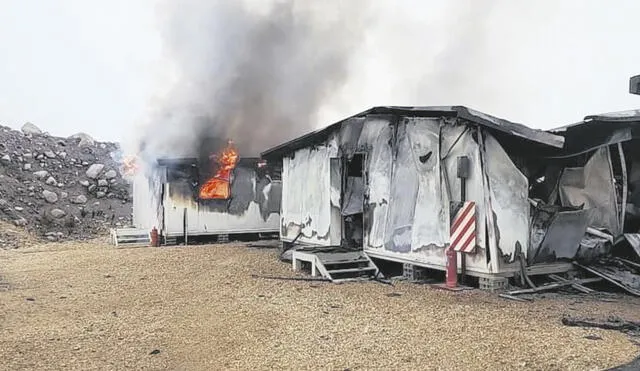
493 284
413 273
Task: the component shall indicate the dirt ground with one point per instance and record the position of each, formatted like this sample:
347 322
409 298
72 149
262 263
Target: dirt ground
93 307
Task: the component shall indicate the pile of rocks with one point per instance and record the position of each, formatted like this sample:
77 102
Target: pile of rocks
60 188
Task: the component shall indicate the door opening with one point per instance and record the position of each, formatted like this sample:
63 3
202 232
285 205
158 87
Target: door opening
353 202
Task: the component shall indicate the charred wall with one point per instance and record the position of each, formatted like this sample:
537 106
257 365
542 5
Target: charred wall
250 182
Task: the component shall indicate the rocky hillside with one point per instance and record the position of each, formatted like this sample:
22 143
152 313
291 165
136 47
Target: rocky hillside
60 188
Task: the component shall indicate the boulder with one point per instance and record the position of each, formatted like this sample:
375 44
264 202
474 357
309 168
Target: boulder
94 170
83 140
6 159
57 213
81 199
31 129
51 181
84 183
110 174
50 197
27 166
50 154
41 174
20 222
103 183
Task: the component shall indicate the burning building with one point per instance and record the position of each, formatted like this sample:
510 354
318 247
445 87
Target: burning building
215 193
405 183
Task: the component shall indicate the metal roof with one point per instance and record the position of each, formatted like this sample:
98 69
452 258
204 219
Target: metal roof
488 121
628 116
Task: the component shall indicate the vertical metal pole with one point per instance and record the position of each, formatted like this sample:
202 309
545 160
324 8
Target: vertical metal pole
463 198
463 174
625 185
185 226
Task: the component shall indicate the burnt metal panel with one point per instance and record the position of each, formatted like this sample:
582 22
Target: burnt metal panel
592 187
404 191
634 241
509 196
561 232
490 122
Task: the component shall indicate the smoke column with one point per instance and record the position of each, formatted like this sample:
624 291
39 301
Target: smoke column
253 72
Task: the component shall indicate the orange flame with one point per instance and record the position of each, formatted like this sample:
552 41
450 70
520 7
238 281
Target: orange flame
129 165
219 187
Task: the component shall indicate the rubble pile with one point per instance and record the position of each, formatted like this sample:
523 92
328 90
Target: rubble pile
61 188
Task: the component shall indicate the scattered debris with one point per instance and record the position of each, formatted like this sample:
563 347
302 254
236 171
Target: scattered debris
575 286
611 323
266 245
511 297
616 271
593 337
553 286
319 279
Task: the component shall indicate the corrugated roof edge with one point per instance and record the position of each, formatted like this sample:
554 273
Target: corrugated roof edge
618 116
488 121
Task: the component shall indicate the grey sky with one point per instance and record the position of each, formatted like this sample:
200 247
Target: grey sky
96 66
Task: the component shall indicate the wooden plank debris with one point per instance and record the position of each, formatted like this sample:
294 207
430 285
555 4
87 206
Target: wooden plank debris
608 278
612 323
553 286
313 279
575 286
628 262
515 298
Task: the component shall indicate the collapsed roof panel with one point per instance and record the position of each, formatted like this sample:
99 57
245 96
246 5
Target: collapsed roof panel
597 131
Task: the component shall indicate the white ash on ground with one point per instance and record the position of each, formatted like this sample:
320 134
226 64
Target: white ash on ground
60 188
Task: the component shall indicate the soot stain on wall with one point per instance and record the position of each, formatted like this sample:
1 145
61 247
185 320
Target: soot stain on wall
248 185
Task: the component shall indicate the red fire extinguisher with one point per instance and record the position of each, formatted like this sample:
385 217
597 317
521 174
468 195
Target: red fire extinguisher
154 237
451 268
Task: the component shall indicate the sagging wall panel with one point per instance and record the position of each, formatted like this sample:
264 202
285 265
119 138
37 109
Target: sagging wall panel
458 140
375 139
509 193
404 192
307 195
593 186
425 187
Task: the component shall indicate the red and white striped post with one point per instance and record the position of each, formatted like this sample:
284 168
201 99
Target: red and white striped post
463 229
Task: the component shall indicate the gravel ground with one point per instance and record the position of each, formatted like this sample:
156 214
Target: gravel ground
90 306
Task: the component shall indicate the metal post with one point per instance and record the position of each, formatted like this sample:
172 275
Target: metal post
185 226
463 174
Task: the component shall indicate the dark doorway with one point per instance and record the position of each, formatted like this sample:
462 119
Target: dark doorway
353 202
